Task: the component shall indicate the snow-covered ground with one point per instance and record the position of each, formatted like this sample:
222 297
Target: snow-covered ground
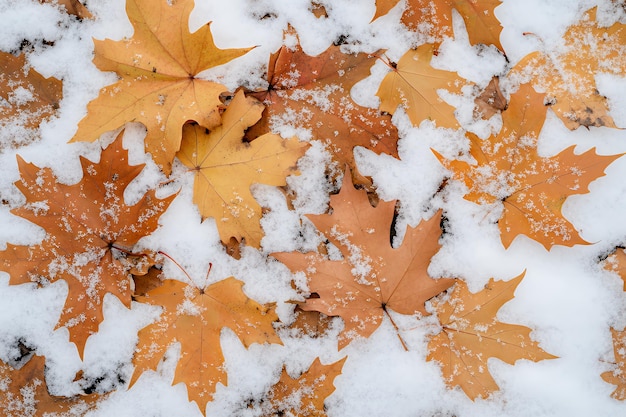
566 297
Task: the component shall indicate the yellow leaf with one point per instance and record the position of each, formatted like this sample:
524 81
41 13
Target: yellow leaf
226 166
158 86
413 84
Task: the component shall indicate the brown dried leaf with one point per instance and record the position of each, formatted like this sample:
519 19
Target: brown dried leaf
480 19
413 84
24 393
616 262
471 334
373 277
26 97
88 229
303 396
305 89
618 375
490 101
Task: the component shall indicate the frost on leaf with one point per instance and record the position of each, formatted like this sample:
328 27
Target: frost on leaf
434 18
617 376
225 166
568 77
195 317
532 188
471 334
26 99
158 85
313 93
373 277
413 84
89 231
24 393
303 396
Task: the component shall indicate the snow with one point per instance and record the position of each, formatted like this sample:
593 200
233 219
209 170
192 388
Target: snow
568 300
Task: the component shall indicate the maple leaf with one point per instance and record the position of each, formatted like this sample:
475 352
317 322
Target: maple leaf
25 393
568 77
226 166
373 277
195 317
618 375
383 7
490 101
73 7
89 230
305 395
413 84
479 17
159 86
532 188
471 334
616 262
26 97
304 90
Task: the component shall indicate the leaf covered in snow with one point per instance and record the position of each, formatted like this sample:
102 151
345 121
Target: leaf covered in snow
89 233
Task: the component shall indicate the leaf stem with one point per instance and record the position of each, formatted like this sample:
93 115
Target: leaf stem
395 326
175 263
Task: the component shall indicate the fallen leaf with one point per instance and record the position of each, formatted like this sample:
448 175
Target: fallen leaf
490 101
471 334
24 393
532 188
226 166
303 396
618 375
616 262
413 84
310 323
195 317
89 229
26 97
373 277
568 77
159 86
435 19
73 7
383 7
303 90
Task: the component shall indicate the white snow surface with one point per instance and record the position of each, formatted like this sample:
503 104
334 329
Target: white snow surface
568 300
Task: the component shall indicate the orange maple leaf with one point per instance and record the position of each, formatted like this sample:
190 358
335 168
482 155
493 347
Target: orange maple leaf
194 317
373 277
89 230
303 396
225 167
532 188
616 262
24 393
159 86
304 89
471 334
568 77
618 375
436 17
413 84
28 98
